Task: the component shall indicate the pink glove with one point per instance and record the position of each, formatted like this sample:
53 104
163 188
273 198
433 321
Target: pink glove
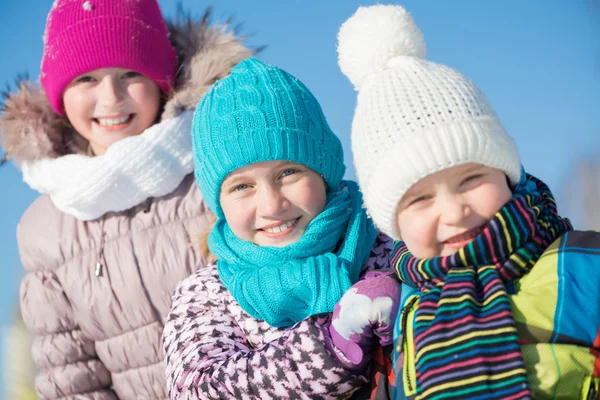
369 308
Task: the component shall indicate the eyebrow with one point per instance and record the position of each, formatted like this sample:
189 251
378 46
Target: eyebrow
407 199
234 177
472 168
283 163
233 180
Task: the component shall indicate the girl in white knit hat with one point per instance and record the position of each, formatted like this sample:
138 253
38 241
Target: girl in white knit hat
441 176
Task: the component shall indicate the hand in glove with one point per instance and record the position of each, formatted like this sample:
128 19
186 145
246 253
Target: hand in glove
365 313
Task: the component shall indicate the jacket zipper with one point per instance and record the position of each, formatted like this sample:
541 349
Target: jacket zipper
98 268
406 343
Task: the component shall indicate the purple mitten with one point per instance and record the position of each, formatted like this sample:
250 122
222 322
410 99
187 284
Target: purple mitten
369 308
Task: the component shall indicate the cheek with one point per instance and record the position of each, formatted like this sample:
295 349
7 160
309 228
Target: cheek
409 228
311 196
147 99
239 216
78 108
75 104
492 199
419 233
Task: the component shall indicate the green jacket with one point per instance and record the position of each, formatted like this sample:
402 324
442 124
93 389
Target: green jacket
556 307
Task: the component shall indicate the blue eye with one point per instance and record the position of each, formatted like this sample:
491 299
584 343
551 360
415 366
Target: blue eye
239 188
288 172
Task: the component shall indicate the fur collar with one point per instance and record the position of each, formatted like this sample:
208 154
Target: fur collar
30 130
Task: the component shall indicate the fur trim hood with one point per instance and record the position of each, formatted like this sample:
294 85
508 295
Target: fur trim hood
30 130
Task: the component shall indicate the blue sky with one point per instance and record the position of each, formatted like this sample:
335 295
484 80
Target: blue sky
538 61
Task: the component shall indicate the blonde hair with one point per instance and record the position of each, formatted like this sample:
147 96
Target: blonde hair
203 238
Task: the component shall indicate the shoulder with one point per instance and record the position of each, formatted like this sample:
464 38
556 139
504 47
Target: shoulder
203 297
383 245
570 263
185 202
40 214
205 282
562 287
379 259
584 240
187 190
580 248
192 202
573 242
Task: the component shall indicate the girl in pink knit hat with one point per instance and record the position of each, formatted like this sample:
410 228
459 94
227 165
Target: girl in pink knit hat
106 140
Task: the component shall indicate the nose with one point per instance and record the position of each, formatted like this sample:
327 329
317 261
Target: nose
454 210
110 92
272 201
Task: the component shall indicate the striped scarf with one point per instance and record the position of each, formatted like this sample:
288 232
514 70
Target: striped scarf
465 339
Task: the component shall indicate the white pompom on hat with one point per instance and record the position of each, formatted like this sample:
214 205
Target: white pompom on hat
413 117
375 35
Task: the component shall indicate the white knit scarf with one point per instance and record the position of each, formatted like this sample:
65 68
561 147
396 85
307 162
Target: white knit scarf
132 170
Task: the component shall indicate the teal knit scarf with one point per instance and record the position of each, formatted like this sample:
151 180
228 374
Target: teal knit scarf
285 285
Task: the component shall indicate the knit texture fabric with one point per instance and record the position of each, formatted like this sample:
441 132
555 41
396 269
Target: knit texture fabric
261 113
465 339
133 169
82 36
413 117
283 286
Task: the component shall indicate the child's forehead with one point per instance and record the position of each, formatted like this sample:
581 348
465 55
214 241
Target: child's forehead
261 168
106 71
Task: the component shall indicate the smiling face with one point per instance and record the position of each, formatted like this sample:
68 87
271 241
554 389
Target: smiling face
109 104
446 210
271 203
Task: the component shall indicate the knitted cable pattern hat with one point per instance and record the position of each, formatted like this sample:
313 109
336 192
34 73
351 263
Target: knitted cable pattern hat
413 117
84 35
260 113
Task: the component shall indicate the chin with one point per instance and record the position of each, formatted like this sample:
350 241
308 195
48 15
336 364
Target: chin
449 252
283 243
279 243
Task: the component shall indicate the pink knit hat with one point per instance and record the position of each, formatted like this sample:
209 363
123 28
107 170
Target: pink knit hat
84 35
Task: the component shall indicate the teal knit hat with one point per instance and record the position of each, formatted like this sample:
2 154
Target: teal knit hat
260 113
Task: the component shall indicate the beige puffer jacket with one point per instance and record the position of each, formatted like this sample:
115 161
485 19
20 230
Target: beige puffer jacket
97 292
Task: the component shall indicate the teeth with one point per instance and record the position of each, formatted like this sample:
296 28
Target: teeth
282 227
467 235
113 121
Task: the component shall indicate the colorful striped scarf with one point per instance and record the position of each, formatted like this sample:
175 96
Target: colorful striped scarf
465 339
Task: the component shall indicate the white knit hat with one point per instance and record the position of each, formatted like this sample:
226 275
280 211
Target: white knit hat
413 117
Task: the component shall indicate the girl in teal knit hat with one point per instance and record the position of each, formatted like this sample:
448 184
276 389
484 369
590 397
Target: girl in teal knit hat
299 292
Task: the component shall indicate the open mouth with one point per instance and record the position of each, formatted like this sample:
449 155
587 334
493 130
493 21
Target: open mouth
282 229
113 122
464 238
